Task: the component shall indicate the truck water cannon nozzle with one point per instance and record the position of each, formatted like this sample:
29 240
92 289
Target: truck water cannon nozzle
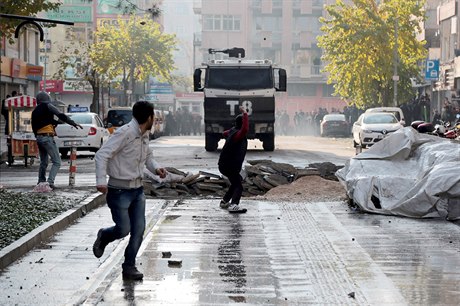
233 52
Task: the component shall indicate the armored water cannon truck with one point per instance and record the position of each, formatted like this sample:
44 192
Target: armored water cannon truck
234 82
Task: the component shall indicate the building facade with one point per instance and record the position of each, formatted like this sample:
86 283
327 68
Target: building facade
448 85
20 70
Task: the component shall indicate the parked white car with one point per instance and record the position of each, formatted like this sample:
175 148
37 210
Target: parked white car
389 109
373 127
90 138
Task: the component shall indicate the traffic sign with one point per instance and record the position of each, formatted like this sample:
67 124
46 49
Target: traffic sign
432 70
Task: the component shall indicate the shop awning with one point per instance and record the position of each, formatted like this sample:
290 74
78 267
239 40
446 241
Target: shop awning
21 101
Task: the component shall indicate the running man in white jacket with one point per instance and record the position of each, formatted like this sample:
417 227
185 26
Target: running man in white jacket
122 158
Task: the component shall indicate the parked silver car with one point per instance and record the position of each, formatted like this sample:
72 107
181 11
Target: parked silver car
90 138
373 127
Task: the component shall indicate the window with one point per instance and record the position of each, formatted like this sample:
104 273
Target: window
239 78
217 22
231 23
82 118
79 33
221 22
301 90
328 90
277 4
212 22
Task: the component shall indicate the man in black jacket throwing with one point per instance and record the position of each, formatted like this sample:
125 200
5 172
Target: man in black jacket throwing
231 160
43 124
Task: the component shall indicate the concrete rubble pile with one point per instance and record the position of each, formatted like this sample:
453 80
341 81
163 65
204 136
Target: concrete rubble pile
258 177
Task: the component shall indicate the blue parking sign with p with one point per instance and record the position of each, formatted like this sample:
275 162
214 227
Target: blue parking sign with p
432 70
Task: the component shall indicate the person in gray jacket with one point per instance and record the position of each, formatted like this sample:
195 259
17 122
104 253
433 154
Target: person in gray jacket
122 158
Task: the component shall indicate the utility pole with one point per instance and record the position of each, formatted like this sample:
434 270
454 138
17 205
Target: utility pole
395 71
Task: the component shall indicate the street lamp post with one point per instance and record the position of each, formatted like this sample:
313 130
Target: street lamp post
45 59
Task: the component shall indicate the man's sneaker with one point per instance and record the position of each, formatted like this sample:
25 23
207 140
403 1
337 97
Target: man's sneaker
98 246
132 273
224 204
236 209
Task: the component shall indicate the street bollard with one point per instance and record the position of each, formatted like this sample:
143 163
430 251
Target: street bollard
73 166
359 149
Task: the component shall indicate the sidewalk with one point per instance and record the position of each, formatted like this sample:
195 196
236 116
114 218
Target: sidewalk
276 254
63 270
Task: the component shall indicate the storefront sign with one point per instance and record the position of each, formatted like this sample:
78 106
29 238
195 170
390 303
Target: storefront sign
52 85
5 68
161 98
77 86
71 13
34 72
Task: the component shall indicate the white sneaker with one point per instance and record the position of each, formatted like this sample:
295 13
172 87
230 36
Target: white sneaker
236 209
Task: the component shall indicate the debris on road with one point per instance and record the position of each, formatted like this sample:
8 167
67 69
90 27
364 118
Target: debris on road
259 177
175 262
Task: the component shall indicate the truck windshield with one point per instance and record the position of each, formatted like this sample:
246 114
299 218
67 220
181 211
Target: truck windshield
239 78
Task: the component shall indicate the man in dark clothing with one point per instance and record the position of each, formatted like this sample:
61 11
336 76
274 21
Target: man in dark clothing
231 160
43 124
5 114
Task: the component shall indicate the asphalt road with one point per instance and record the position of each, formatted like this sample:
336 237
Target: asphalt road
279 253
187 153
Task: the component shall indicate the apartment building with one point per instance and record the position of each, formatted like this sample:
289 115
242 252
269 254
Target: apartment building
19 69
282 31
449 55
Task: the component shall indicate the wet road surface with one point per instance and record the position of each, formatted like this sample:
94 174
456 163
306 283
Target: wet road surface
292 254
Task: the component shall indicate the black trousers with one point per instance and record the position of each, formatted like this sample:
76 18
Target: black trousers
236 187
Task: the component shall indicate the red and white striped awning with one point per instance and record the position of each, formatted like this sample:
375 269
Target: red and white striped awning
21 101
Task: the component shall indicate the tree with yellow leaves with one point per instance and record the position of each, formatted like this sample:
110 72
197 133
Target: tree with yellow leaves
361 42
134 49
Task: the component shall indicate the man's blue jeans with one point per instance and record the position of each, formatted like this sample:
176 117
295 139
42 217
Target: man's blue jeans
128 213
47 147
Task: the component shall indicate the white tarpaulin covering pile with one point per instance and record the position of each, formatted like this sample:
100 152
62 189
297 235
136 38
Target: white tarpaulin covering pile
406 174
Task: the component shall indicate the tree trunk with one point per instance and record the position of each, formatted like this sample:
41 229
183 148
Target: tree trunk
125 88
131 73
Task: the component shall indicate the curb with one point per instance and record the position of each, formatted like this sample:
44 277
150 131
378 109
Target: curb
12 252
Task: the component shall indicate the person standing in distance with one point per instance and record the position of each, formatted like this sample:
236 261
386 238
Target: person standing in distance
231 160
122 158
43 123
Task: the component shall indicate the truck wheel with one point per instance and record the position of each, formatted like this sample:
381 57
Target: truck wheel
269 143
211 143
